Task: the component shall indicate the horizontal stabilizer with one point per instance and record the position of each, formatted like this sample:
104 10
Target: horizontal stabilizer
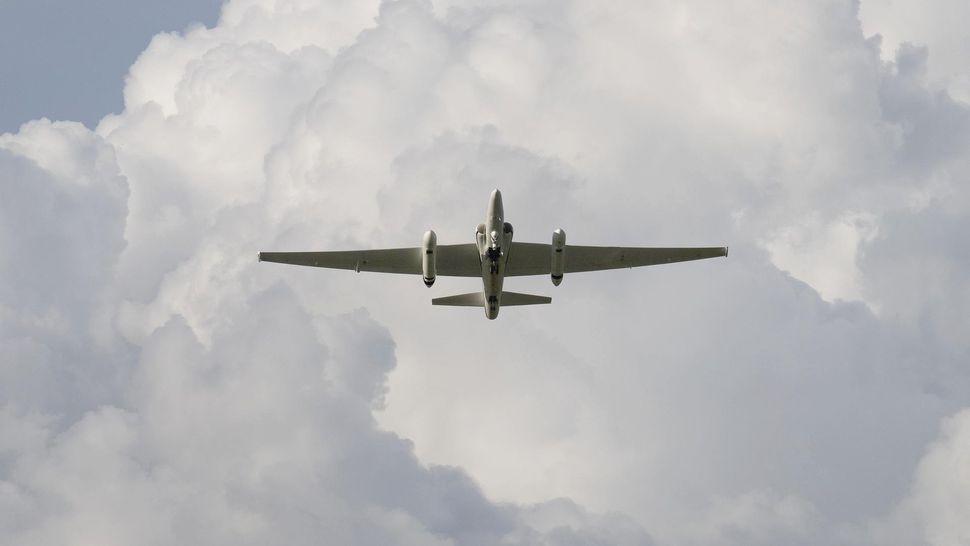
477 299
474 299
514 298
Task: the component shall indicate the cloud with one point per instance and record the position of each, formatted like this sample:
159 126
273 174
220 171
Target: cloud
933 511
899 23
162 374
940 493
267 434
62 209
264 432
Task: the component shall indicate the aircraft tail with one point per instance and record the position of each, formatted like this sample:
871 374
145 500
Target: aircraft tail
477 299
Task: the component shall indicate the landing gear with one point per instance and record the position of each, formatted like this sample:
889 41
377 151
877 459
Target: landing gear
493 255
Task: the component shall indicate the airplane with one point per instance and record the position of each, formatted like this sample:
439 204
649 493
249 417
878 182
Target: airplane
493 257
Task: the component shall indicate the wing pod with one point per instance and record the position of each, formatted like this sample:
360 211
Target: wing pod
480 239
558 255
429 250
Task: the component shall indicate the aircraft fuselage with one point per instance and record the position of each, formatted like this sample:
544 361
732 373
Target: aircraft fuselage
494 238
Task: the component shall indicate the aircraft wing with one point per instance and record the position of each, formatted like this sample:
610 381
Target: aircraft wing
452 260
536 258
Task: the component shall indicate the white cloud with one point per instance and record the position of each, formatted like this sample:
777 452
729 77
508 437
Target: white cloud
160 373
937 25
935 510
263 433
62 209
824 255
941 496
758 517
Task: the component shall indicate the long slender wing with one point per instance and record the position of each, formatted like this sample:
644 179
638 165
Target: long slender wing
595 258
452 260
529 259
459 261
536 258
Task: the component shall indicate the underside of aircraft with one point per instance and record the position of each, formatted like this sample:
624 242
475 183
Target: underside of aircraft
492 257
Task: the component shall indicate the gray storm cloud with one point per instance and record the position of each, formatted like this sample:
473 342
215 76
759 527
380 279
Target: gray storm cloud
160 386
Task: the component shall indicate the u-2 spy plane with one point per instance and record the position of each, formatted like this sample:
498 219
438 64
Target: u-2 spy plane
493 257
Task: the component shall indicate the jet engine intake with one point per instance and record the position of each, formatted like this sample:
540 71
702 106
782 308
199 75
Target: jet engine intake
558 255
429 250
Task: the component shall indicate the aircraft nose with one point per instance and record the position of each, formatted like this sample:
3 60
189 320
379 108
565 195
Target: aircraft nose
496 193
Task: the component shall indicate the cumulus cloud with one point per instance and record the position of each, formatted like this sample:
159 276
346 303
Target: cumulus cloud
935 510
263 433
940 497
259 438
160 378
62 211
936 26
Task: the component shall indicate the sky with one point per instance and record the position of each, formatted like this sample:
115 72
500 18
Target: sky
159 386
68 60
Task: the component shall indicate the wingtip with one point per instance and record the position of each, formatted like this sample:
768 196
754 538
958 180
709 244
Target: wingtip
726 251
259 256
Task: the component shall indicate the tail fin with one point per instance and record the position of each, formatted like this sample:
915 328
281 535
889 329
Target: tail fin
514 298
475 299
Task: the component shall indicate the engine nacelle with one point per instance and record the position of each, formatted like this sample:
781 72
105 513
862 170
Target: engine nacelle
429 251
480 238
558 255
